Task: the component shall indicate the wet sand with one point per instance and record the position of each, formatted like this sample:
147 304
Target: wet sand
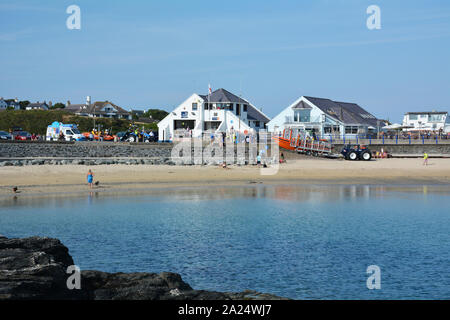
66 179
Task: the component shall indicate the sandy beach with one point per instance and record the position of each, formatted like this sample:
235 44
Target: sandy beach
44 179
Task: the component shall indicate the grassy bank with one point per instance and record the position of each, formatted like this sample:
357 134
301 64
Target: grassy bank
36 121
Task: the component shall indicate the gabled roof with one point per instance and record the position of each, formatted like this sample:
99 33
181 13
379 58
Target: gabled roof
76 107
97 107
346 112
37 105
222 95
256 115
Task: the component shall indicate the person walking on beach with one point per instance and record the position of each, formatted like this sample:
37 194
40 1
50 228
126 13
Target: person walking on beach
90 178
425 159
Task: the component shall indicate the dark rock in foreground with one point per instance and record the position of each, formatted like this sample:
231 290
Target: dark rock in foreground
35 268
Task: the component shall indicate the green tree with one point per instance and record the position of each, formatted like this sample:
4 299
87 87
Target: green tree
24 104
156 114
58 105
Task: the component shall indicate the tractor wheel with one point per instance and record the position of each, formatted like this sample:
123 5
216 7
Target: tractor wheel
366 156
353 156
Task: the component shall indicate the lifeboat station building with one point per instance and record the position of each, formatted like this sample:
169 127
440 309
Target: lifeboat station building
325 118
219 111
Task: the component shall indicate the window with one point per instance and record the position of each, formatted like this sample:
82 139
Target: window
256 123
238 109
245 108
351 129
194 106
413 117
435 117
231 107
327 129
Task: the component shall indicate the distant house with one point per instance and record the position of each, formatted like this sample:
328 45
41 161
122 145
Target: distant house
219 112
98 109
427 120
9 103
138 113
37 106
3 104
325 117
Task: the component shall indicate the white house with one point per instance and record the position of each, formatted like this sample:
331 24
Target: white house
428 121
220 111
37 106
98 109
325 118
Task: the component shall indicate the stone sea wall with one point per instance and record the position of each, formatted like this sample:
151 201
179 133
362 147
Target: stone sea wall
104 153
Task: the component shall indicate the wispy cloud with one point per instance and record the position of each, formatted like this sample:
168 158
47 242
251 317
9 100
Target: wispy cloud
359 43
15 35
25 7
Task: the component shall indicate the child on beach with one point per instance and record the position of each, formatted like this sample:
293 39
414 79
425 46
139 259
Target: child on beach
90 178
425 159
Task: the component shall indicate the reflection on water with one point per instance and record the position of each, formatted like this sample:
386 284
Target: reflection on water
298 241
317 193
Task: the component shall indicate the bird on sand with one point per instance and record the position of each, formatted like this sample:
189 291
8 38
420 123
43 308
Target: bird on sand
14 189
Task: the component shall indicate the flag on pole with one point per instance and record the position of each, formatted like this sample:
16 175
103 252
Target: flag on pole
209 88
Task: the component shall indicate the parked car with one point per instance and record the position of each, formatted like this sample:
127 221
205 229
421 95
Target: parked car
22 135
5 135
356 152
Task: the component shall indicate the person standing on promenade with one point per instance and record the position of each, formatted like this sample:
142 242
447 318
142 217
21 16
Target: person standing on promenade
425 159
90 178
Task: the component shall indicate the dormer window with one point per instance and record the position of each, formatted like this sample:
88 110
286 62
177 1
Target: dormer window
194 106
245 108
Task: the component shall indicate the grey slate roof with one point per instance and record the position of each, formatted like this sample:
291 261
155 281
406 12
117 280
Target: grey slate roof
222 95
76 108
35 105
94 108
348 113
98 105
255 114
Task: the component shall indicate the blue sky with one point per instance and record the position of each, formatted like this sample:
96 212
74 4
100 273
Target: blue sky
144 54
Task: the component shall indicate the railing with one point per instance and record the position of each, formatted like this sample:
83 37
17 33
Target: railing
370 139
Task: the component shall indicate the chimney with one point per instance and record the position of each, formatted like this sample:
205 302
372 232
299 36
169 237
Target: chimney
88 100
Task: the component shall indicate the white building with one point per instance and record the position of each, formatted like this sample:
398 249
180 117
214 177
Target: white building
37 106
98 109
324 118
427 121
221 111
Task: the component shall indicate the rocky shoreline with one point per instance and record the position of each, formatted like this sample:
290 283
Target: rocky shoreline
36 269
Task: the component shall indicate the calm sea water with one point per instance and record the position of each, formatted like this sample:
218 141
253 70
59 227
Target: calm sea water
301 242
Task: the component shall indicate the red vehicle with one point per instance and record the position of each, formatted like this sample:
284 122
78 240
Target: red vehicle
106 137
21 135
